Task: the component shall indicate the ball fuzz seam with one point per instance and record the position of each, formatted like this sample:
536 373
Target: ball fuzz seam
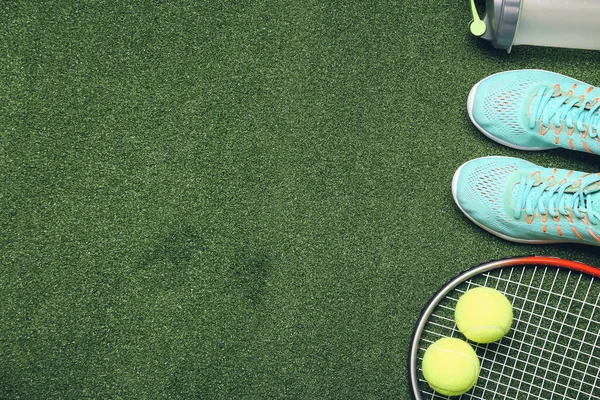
450 366
483 315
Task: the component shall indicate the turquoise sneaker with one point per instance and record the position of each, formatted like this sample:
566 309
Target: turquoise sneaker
537 110
522 202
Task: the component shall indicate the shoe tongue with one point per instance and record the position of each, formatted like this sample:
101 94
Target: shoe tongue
556 101
592 192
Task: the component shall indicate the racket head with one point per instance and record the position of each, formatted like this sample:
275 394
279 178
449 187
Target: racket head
536 286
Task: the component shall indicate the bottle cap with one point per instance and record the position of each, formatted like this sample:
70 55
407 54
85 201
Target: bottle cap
501 18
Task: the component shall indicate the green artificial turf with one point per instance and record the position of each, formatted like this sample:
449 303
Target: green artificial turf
237 200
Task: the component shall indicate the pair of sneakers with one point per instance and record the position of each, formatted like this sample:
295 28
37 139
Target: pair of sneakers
514 198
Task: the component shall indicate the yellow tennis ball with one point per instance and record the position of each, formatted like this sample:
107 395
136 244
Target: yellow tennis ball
483 315
450 366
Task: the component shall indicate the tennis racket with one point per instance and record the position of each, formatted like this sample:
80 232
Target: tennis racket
553 348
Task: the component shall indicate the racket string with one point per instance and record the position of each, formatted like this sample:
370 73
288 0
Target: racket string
552 349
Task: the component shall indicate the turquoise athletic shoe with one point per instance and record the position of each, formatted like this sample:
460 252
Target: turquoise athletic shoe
537 110
522 202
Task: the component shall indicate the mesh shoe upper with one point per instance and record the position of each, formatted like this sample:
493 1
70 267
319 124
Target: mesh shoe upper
520 201
536 110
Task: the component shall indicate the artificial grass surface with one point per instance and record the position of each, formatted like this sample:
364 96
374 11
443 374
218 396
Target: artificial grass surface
249 200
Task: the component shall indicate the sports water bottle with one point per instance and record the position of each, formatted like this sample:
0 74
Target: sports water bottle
555 23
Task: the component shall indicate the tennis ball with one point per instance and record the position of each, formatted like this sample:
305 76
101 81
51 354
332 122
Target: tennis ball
450 366
483 315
